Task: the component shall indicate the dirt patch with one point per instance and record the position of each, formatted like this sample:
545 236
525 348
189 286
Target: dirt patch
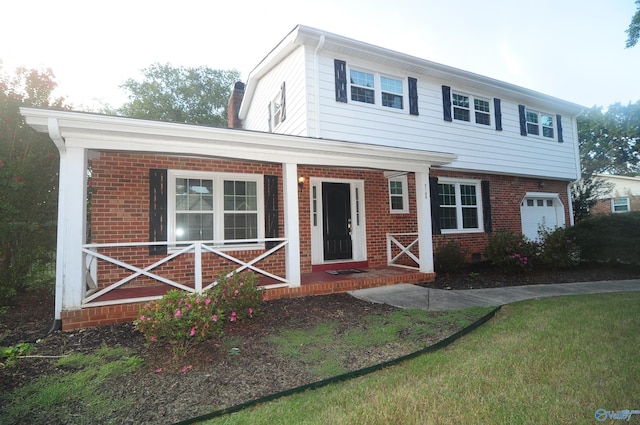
243 365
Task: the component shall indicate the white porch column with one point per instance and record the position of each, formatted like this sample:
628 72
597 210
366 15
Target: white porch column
425 237
72 215
291 223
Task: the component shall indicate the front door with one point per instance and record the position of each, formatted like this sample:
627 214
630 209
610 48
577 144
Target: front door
336 208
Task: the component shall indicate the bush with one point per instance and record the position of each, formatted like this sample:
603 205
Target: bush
511 252
557 249
183 319
449 258
611 238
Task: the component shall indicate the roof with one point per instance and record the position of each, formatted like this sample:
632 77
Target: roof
350 48
97 132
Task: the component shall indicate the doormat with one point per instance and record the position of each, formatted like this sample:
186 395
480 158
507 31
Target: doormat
345 271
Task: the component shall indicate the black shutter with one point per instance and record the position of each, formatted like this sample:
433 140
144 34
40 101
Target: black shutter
523 120
283 103
446 103
413 96
498 112
559 119
157 210
340 68
435 206
486 206
272 229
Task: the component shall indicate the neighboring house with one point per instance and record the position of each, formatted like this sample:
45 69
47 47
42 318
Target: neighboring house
624 195
343 156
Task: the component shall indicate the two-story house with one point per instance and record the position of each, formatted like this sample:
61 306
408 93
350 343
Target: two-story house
344 160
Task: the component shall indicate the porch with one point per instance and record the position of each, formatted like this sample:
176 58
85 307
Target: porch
115 306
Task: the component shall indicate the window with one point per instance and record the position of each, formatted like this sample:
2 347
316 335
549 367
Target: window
539 124
362 88
213 206
462 109
277 108
398 194
391 92
459 205
619 205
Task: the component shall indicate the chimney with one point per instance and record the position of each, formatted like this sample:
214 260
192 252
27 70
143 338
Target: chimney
233 107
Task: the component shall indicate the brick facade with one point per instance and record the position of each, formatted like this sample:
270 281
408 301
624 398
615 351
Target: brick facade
605 206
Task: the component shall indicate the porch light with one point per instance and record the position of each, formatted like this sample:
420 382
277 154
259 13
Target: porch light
300 181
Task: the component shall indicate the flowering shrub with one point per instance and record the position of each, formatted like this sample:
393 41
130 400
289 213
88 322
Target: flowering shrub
557 249
182 319
510 252
238 296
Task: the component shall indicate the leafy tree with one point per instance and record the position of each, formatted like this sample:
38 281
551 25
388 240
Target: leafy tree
634 28
178 94
609 144
28 181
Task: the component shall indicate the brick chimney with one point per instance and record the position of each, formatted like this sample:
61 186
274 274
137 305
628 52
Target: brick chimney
233 107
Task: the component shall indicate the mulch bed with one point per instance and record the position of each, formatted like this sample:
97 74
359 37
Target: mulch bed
169 389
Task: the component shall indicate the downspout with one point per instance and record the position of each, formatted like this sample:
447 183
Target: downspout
58 140
316 70
578 168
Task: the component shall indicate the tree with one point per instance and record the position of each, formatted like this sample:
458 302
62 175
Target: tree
179 94
634 28
28 181
609 144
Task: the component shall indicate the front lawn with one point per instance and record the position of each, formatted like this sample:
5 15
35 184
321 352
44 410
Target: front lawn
547 361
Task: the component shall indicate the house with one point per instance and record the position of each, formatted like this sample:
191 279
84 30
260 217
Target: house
342 157
624 195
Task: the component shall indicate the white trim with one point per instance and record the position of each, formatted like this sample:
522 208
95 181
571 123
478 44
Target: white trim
467 182
405 194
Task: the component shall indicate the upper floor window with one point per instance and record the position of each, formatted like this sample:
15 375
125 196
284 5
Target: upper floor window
213 206
619 205
470 109
540 124
277 108
460 205
356 85
398 194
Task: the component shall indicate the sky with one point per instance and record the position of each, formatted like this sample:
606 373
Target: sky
571 49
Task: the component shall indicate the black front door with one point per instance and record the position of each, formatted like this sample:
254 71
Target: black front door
336 206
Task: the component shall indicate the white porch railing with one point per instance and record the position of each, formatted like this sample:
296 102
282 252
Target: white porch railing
405 250
199 250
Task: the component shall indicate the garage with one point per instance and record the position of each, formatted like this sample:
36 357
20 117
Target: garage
539 209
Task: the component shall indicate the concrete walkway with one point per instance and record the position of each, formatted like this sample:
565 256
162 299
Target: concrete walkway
413 296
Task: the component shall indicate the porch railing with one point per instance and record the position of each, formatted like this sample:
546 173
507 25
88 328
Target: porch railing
402 243
199 249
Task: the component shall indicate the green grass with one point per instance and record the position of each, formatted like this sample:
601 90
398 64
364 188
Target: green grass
74 394
547 361
325 347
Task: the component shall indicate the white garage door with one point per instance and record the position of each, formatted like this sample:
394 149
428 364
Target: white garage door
539 209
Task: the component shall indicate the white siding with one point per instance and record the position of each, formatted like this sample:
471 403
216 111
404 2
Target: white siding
479 147
291 70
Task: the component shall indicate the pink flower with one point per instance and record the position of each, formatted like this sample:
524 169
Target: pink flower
233 316
142 318
265 298
193 332
158 370
215 318
198 300
250 312
178 313
187 369
153 338
236 292
207 301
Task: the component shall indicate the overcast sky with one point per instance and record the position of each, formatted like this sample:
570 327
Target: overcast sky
571 49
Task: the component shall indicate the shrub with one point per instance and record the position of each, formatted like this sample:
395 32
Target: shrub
510 252
609 238
183 319
557 249
449 258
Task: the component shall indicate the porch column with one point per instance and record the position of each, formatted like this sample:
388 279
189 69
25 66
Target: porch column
291 223
425 237
72 214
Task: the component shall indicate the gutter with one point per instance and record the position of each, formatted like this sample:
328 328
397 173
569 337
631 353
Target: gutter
316 71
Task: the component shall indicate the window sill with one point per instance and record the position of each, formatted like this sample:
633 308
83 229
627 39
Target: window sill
458 232
226 247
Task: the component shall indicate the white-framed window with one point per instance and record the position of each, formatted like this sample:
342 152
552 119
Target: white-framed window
470 108
460 205
277 108
619 205
540 124
376 89
398 194
215 206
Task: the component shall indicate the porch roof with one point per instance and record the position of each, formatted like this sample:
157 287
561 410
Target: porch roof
112 133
